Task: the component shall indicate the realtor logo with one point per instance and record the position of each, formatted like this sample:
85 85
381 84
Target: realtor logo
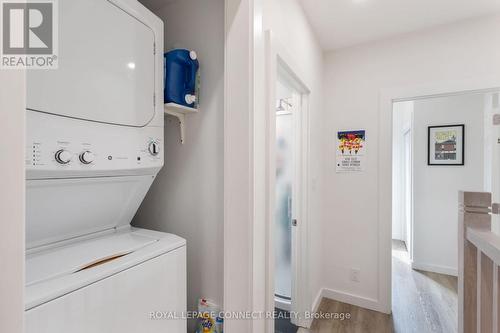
29 34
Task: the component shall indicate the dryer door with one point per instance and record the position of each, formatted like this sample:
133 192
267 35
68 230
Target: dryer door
106 67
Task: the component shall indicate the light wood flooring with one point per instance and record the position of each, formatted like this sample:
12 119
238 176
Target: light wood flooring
422 302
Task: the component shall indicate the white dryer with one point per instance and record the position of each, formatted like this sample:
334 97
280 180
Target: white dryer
94 147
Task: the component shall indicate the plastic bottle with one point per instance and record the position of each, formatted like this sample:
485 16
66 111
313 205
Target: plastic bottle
219 322
182 77
207 320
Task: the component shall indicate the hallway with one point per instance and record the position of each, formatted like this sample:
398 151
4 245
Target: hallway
422 302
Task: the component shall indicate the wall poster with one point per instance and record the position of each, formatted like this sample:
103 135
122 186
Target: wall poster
351 149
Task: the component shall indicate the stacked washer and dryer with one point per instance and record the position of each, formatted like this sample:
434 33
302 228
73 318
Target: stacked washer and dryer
94 147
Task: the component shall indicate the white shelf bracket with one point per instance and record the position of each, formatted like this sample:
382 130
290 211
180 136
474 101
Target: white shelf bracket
180 112
182 119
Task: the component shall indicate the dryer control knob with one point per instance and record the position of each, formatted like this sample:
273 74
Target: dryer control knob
154 148
63 156
87 157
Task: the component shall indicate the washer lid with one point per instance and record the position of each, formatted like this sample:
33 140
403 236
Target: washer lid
75 257
55 272
106 67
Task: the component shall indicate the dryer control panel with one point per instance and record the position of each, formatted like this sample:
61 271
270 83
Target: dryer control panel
64 147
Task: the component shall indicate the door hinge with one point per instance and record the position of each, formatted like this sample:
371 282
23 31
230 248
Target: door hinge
294 222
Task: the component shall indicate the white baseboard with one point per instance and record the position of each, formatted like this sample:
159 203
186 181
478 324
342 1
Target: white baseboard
317 300
434 268
362 302
306 323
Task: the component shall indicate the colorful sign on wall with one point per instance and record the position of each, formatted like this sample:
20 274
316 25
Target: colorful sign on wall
351 148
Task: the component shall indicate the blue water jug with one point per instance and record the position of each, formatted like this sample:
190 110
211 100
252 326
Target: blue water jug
181 73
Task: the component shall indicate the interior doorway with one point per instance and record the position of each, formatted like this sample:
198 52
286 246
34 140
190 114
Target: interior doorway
287 191
403 173
441 144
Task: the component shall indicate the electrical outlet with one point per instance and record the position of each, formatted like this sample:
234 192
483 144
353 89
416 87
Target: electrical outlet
355 273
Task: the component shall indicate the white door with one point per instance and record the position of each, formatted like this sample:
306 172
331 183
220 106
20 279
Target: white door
284 207
299 256
407 190
106 67
288 204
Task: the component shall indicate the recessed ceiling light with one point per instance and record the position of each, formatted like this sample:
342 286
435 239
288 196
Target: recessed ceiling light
131 65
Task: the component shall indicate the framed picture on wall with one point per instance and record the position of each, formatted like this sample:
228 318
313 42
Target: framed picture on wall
446 145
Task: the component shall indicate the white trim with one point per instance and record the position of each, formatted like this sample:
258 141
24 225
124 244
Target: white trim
317 300
340 296
12 199
434 268
387 97
306 323
278 59
270 179
242 291
258 118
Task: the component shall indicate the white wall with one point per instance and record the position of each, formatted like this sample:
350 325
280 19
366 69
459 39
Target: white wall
12 115
187 197
289 25
435 246
354 79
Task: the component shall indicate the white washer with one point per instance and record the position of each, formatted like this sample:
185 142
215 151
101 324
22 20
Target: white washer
149 276
94 147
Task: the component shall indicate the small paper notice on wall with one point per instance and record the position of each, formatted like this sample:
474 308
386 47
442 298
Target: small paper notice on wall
351 149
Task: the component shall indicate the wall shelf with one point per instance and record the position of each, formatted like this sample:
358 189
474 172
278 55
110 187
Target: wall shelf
180 112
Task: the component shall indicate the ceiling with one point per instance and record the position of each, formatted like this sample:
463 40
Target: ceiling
343 23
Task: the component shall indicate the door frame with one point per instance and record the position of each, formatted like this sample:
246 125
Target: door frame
278 60
387 97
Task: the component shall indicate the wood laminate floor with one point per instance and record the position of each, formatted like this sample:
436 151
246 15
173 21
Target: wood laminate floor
422 302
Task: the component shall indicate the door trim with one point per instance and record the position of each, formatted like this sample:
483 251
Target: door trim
279 60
